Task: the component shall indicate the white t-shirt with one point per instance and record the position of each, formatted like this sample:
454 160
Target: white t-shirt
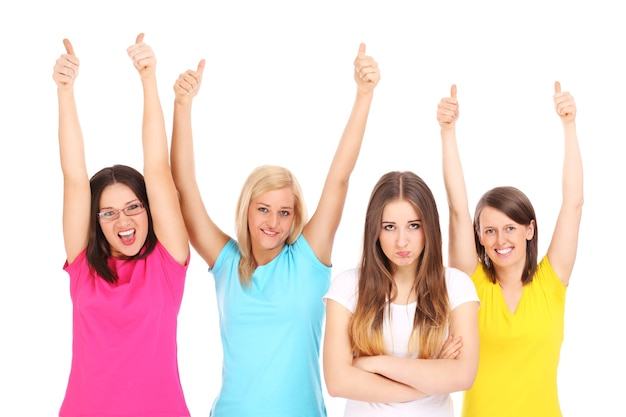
343 290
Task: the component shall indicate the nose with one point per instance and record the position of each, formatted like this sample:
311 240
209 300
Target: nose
274 220
402 238
500 239
122 217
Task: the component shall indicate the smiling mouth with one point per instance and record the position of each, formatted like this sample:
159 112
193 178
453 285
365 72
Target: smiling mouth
127 236
503 251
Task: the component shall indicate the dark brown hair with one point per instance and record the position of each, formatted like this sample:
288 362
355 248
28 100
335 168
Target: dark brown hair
98 248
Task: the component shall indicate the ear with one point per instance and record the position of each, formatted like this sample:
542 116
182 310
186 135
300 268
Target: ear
530 230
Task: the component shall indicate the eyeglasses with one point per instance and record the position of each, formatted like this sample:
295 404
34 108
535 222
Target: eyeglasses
132 210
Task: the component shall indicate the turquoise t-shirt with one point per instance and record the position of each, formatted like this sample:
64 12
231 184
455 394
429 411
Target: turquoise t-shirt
271 334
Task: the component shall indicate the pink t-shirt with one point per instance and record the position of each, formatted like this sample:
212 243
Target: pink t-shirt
124 352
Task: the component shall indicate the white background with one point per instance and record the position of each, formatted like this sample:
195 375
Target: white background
278 89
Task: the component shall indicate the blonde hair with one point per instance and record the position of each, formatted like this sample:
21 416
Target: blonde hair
261 180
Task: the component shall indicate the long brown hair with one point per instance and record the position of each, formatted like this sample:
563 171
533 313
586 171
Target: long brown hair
377 288
515 205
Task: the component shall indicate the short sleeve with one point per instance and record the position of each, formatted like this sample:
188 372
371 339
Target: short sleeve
461 288
343 289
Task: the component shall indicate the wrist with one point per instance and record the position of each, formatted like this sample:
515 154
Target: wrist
183 101
364 93
148 79
65 89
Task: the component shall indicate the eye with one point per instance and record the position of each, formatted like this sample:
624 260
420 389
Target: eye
510 229
106 214
133 207
414 226
488 231
263 209
389 227
285 213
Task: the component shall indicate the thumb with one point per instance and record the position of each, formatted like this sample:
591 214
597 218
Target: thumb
68 46
557 87
453 91
201 67
361 50
139 38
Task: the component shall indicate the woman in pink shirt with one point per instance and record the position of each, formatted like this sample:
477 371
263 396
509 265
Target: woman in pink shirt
127 255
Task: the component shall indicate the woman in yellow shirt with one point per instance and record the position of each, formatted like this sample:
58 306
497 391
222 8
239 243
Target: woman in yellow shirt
521 318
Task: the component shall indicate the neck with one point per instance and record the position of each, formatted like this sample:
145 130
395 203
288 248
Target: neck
509 277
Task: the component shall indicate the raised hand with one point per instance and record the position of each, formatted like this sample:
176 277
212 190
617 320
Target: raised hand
143 57
66 67
564 104
188 83
448 110
366 72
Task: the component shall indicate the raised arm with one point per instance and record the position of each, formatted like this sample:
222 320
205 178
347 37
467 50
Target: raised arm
436 376
76 190
461 249
164 208
321 229
206 238
564 244
347 381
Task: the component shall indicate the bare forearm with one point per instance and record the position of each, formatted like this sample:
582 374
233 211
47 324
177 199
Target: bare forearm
359 385
461 252
349 146
434 376
572 167
154 138
71 145
182 151
453 173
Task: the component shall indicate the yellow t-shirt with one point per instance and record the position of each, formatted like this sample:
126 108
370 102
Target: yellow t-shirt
519 352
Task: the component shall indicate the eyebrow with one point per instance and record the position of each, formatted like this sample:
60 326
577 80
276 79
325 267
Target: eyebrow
125 204
410 221
269 205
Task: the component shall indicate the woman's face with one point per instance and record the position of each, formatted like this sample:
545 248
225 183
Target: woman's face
270 219
504 240
125 231
401 234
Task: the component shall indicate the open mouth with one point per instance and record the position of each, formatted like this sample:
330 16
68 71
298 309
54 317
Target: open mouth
127 236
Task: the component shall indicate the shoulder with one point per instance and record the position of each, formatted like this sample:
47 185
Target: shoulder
349 277
456 277
160 255
546 276
229 253
344 289
301 245
480 277
78 262
302 253
461 288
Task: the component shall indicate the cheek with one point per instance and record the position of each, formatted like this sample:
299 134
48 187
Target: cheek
107 231
421 242
384 244
288 224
